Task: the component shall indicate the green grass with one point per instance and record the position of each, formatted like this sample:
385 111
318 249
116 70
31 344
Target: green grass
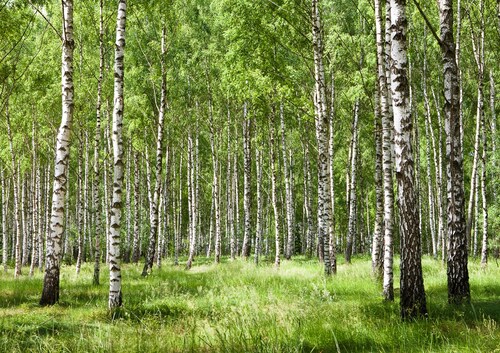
236 307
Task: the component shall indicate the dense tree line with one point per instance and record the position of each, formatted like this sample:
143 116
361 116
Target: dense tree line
255 129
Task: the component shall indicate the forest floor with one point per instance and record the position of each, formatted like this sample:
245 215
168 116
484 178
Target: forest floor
236 307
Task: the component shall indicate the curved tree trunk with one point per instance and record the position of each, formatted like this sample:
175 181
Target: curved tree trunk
50 292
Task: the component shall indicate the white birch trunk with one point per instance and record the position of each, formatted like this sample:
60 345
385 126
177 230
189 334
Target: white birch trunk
352 186
153 230
247 170
286 171
50 292
457 271
258 230
321 119
115 284
97 146
17 211
413 301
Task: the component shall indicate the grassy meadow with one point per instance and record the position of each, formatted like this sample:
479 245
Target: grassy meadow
237 307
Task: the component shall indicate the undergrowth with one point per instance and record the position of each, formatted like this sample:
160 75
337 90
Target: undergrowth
238 307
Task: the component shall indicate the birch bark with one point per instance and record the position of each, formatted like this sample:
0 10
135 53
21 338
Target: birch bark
50 292
115 283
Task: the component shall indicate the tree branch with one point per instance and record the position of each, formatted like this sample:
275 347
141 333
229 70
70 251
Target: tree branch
434 33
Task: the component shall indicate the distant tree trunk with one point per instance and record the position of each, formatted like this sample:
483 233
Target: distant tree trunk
286 172
50 292
97 146
153 230
5 235
430 132
17 211
484 247
247 172
413 301
191 197
308 201
34 202
24 223
493 127
79 205
258 232
331 119
377 241
458 274
321 119
215 167
136 250
352 185
273 188
115 283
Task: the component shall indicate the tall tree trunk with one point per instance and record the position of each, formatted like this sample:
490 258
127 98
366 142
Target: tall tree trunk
136 250
50 292
97 146
286 172
215 167
377 241
258 230
17 211
153 230
308 201
79 205
457 272
493 128
247 173
115 283
430 132
191 201
5 235
413 301
321 119
387 158
331 119
352 185
274 200
484 245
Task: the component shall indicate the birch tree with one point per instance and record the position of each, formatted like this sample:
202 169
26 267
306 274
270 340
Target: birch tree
50 292
457 268
413 301
153 230
115 283
321 120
